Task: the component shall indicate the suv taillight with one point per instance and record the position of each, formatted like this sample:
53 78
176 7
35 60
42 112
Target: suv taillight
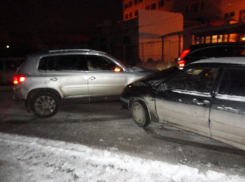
181 61
19 79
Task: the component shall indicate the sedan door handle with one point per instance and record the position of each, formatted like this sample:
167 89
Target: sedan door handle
200 103
54 79
206 102
197 102
92 78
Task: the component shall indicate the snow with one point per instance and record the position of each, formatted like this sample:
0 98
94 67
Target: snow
34 159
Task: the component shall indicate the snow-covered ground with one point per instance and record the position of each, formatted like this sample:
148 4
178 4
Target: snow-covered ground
34 159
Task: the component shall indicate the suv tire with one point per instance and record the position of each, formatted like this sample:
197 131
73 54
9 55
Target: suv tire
45 104
140 114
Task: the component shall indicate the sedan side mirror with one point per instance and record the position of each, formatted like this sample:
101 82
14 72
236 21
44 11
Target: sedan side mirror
162 87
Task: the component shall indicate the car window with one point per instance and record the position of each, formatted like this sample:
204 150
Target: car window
99 63
237 51
194 79
232 82
59 63
221 51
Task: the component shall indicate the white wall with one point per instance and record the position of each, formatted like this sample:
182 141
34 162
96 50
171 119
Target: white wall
152 25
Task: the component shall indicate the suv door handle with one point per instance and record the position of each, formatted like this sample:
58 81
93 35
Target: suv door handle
92 78
54 79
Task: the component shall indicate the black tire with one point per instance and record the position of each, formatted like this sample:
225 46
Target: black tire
45 104
140 114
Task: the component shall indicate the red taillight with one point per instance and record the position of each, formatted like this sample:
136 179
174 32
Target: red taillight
19 79
184 53
181 61
181 64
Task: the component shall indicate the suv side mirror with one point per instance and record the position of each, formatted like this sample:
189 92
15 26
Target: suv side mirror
117 69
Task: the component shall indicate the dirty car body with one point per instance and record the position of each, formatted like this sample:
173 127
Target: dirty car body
207 98
48 77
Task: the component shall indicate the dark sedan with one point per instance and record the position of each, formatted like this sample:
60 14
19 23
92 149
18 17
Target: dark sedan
207 98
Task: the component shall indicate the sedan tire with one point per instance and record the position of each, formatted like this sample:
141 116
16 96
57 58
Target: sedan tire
140 114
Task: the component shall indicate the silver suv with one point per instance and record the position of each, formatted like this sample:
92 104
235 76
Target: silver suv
46 78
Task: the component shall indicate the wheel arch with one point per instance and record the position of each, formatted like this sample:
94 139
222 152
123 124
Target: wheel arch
150 109
142 101
33 92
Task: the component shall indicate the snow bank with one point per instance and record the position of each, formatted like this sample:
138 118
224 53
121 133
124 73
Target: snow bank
34 159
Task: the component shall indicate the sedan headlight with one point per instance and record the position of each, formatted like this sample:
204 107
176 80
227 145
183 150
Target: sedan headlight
140 84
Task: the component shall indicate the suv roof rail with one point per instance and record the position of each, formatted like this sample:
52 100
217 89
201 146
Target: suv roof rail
71 50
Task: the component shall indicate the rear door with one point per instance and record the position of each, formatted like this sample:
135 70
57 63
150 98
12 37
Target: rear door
228 108
66 73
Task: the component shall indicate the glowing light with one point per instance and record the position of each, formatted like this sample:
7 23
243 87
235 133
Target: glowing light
7 46
243 38
184 53
117 69
18 79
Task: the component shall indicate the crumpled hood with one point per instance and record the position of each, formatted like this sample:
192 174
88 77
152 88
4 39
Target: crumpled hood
157 77
142 68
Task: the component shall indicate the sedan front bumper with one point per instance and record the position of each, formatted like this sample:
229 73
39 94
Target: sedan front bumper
124 103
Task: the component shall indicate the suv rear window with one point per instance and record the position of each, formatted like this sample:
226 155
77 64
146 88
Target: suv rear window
219 51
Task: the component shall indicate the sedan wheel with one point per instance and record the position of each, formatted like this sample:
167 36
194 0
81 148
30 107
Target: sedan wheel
140 114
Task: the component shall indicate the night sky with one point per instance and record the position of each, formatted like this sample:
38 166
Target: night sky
22 19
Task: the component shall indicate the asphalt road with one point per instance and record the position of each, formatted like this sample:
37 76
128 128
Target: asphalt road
104 125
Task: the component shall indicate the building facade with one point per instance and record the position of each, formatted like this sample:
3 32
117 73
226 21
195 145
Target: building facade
204 21
202 10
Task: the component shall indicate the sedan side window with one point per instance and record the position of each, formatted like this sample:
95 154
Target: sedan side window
194 79
232 82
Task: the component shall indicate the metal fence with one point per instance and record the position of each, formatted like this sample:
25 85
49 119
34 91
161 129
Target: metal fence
155 53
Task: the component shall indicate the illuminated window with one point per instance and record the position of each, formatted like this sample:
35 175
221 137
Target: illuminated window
153 6
207 39
202 40
225 37
214 38
233 37
197 40
219 38
161 3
